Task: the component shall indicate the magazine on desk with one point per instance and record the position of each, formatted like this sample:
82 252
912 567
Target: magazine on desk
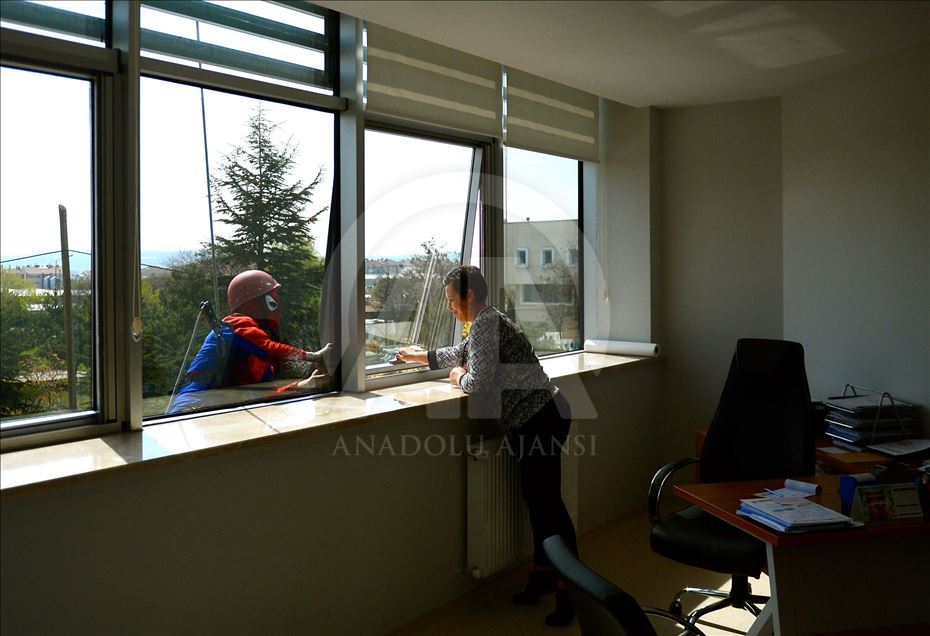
793 514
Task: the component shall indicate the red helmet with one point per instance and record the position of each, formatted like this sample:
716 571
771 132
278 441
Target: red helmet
252 283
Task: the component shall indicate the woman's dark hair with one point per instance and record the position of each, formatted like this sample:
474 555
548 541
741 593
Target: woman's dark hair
465 277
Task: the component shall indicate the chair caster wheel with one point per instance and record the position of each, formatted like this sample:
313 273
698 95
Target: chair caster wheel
675 608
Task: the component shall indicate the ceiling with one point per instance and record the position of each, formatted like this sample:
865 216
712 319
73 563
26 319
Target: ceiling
664 53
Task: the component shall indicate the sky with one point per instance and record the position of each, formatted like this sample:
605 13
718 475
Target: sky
415 189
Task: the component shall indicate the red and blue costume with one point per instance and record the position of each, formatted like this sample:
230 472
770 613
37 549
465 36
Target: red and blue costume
247 355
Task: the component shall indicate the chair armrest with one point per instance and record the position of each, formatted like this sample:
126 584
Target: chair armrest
658 483
678 620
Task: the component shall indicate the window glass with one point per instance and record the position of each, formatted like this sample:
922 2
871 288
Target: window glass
546 257
416 200
265 207
46 247
571 256
541 217
284 45
73 20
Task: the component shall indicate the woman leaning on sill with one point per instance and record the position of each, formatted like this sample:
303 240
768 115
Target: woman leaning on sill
496 362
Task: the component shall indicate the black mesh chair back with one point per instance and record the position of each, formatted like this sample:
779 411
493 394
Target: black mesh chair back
763 426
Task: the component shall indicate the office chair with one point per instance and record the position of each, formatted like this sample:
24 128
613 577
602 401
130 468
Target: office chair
603 608
763 428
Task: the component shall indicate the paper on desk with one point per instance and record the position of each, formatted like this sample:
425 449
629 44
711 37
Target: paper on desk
774 525
903 447
833 450
793 488
792 512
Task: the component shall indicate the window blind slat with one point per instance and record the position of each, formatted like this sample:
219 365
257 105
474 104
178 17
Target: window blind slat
415 79
546 116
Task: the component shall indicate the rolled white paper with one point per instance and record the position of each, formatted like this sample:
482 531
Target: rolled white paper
802 486
622 348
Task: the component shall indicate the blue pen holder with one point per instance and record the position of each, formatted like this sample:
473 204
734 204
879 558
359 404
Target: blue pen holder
848 485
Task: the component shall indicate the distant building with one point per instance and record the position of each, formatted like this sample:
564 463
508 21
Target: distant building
377 268
47 277
540 269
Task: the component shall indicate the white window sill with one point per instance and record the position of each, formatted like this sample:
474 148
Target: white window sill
168 442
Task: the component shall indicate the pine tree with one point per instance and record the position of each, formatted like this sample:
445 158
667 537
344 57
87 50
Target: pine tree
255 193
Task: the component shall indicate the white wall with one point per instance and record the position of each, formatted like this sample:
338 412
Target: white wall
857 226
627 208
286 537
720 252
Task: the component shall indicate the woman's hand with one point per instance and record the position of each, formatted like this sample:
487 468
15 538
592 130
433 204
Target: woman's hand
412 354
455 374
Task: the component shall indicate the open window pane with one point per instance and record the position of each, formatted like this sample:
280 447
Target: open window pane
265 207
541 232
416 203
46 246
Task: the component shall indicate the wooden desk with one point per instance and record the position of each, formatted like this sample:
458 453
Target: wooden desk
864 462
830 581
832 463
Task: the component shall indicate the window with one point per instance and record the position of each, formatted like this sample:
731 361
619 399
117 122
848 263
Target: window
46 246
72 20
546 257
265 207
69 188
419 205
571 257
237 158
264 41
541 211
548 293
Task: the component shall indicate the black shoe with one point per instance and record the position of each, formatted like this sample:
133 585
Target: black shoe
539 584
564 612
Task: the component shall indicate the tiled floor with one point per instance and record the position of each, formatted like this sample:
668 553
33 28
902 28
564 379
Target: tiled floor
620 552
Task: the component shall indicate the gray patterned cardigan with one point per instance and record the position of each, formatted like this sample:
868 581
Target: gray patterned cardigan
502 369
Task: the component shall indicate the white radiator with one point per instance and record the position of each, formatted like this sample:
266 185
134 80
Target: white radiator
499 533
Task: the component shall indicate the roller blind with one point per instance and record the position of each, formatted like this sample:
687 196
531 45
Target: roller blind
415 79
546 116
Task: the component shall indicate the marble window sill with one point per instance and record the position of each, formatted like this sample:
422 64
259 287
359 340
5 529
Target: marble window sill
157 444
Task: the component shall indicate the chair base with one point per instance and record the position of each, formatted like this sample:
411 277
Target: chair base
740 596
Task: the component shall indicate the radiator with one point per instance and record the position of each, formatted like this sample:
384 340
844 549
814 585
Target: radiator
498 523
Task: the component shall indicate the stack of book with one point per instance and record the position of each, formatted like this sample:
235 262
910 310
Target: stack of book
862 420
793 514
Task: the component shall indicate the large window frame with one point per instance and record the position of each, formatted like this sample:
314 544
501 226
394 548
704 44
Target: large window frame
385 375
99 66
116 70
530 294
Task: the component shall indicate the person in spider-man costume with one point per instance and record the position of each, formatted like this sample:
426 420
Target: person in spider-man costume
244 351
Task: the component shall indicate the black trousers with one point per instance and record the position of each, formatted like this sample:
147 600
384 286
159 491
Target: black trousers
538 445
